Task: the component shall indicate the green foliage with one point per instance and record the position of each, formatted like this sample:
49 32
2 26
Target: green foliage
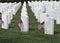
24 0
0 15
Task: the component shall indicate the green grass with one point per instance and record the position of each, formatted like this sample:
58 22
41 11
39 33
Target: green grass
14 35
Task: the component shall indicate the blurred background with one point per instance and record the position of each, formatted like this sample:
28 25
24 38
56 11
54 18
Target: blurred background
24 0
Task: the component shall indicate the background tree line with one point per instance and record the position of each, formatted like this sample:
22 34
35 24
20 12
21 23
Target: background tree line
24 0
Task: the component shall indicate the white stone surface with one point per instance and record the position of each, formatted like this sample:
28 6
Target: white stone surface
25 21
5 20
43 17
49 26
58 20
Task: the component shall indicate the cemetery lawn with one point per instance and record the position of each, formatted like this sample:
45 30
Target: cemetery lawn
14 35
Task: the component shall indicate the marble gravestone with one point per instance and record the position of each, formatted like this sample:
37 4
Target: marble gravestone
58 20
5 20
58 16
43 17
57 12
49 9
40 11
49 26
25 20
10 16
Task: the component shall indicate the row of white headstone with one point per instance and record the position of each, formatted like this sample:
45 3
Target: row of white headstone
43 11
8 10
52 8
24 18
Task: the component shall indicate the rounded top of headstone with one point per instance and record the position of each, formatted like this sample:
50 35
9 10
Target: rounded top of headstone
39 1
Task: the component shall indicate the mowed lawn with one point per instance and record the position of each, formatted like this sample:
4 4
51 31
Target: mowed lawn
14 35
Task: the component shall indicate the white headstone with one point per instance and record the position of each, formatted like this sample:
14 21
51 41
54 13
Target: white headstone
25 21
49 26
49 9
58 20
11 14
43 17
9 17
5 20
